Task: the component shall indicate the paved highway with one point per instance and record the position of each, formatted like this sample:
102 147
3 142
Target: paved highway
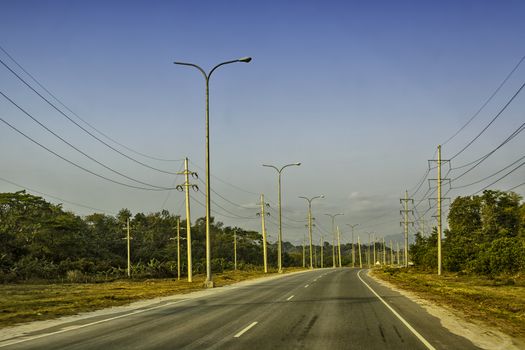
320 309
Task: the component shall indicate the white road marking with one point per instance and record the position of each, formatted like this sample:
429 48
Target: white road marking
245 330
70 328
306 286
419 336
290 297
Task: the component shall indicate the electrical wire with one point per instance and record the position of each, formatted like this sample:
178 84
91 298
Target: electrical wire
74 164
58 198
482 159
80 126
490 123
501 178
487 101
488 177
77 149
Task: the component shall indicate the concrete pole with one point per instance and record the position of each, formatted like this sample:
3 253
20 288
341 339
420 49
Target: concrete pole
339 246
265 247
129 249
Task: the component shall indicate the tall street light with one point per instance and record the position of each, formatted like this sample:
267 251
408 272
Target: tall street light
309 200
333 233
280 238
209 281
353 248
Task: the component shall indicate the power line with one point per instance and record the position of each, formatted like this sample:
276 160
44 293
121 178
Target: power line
74 164
57 198
225 182
76 115
77 149
80 126
486 102
501 178
483 158
490 123
488 177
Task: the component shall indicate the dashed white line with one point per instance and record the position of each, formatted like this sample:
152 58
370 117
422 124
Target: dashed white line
246 329
416 333
290 297
306 286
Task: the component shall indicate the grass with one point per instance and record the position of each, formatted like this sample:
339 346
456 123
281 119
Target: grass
20 303
498 302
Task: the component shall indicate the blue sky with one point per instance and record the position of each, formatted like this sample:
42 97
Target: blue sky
360 92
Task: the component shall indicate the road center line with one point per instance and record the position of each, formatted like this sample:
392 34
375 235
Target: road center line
416 333
246 329
290 297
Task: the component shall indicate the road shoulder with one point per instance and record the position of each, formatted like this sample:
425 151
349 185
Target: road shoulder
481 335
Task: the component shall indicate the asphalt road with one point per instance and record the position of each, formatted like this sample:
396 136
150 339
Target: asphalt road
320 309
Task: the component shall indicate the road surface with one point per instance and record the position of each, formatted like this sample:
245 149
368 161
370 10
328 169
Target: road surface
319 309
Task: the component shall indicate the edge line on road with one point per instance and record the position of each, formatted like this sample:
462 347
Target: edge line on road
71 328
416 333
246 329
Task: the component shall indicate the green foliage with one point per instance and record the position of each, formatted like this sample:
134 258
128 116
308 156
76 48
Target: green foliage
41 241
486 235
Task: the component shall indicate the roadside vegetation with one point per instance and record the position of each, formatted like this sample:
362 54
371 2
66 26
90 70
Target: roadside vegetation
496 301
483 261
36 302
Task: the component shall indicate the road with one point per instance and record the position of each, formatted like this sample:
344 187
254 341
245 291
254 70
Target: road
319 309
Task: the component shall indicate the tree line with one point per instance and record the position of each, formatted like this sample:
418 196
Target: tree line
40 240
485 235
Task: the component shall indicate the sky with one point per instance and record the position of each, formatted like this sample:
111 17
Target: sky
360 92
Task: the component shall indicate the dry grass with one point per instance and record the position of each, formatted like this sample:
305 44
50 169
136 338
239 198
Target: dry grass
34 302
498 302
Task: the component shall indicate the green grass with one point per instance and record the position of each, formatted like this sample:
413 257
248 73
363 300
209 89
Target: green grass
21 303
499 302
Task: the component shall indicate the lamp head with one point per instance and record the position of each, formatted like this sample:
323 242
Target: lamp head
245 59
297 164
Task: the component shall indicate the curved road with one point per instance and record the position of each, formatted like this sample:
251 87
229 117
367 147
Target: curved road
319 309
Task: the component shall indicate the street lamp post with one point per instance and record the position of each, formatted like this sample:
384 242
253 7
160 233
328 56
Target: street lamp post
333 234
353 248
209 281
309 200
280 238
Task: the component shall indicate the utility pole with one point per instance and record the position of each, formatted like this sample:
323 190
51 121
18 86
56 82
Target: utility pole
384 252
405 212
322 244
178 248
353 244
339 246
369 249
304 252
263 224
129 248
398 261
235 249
309 200
439 204
391 254
359 250
315 257
375 258
186 188
333 235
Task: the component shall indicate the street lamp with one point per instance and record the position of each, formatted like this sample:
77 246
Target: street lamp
209 281
280 238
309 200
353 250
333 233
